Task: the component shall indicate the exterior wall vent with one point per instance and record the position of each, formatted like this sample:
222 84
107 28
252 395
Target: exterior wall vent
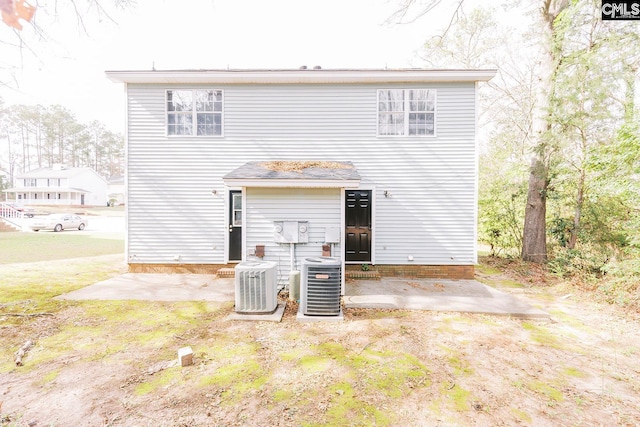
256 290
320 287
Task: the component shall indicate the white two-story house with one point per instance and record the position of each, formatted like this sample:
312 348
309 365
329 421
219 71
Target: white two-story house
59 186
374 167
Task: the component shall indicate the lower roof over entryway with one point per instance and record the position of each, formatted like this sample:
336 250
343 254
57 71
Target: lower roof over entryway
294 174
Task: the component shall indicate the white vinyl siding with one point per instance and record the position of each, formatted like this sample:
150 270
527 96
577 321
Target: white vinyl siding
321 207
430 214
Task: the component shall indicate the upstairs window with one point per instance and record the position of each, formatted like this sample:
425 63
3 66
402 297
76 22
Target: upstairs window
30 182
409 112
196 112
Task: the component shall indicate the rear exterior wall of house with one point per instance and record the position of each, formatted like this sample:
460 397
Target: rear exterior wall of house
423 187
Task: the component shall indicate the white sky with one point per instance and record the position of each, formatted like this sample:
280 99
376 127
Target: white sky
69 65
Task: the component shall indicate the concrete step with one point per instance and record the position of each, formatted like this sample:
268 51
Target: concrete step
226 272
362 275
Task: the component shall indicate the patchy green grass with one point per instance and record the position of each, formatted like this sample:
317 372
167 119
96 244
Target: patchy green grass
101 329
380 368
50 377
570 371
552 393
162 379
375 372
520 415
544 336
29 288
458 364
345 409
485 269
97 330
18 247
508 283
458 397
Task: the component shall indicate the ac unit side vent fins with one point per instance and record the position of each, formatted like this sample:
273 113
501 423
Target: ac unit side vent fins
256 290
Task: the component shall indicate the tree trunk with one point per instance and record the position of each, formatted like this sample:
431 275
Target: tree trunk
573 239
534 237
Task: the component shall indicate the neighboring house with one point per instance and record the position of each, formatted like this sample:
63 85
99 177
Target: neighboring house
116 190
376 167
60 186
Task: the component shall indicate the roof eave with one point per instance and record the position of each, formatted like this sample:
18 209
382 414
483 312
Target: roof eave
299 76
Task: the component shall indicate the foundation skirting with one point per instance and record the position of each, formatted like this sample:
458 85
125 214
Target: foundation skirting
458 272
178 268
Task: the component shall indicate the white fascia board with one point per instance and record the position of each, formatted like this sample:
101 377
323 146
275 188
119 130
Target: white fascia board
299 76
292 183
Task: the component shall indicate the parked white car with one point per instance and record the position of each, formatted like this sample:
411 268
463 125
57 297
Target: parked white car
58 222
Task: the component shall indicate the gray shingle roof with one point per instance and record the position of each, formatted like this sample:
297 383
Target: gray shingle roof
295 169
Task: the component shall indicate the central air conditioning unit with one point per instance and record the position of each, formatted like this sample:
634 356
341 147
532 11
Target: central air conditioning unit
256 290
320 286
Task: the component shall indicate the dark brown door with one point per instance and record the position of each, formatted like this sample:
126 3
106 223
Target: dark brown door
358 225
235 226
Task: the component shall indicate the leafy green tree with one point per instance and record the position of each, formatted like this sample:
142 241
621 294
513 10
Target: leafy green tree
589 221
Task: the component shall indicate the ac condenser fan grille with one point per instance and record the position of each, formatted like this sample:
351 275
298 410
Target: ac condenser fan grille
322 290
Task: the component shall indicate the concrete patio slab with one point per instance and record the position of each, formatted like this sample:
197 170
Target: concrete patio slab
467 296
158 287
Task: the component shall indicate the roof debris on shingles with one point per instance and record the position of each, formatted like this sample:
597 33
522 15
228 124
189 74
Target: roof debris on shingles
295 169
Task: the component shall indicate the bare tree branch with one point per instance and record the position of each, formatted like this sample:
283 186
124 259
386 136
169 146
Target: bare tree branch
399 16
79 17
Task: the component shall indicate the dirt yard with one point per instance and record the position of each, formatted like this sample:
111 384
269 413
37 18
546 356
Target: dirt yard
114 363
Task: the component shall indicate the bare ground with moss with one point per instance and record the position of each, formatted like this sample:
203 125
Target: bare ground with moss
113 363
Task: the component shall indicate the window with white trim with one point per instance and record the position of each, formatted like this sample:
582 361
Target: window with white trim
196 112
406 112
